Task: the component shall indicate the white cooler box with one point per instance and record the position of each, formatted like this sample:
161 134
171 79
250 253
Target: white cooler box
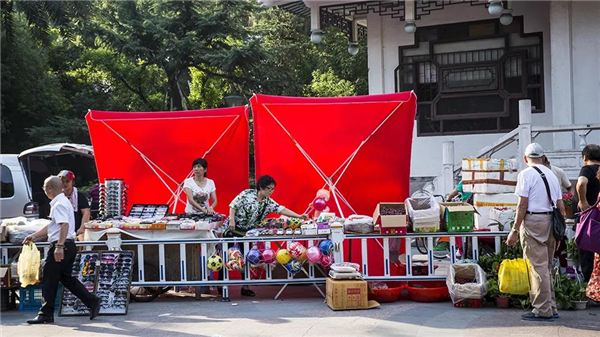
489 175
484 203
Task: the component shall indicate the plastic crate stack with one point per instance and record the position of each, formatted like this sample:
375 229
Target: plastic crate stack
30 298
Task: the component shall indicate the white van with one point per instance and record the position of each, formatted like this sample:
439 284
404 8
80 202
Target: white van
23 176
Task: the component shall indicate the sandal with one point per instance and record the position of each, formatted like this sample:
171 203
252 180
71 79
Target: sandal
248 292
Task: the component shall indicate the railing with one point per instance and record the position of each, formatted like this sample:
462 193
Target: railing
309 269
524 134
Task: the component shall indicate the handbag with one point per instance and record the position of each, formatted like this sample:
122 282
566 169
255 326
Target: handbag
558 220
587 234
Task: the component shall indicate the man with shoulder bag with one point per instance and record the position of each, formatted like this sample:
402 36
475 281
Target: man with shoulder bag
59 262
539 223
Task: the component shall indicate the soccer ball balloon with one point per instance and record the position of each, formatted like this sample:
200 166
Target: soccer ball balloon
296 249
254 256
283 256
326 247
215 263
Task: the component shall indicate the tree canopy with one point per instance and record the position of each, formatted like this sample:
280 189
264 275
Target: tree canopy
61 58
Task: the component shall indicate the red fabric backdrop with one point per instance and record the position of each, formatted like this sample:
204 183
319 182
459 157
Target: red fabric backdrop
171 140
330 130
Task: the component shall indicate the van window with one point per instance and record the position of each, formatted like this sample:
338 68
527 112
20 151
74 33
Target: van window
8 188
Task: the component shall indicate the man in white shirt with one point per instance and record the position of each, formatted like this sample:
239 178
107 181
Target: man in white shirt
533 222
59 262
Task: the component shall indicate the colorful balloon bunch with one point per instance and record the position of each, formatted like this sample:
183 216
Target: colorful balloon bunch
235 260
292 258
321 253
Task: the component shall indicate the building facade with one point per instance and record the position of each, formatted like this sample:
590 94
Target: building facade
471 64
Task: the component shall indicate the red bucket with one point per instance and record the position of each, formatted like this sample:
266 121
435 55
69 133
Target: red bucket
391 294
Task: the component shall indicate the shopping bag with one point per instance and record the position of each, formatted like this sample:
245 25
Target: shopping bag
587 234
513 277
29 265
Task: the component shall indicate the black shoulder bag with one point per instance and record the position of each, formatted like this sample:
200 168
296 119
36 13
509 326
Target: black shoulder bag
558 220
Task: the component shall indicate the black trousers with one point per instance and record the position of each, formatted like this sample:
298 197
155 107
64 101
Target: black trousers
586 260
55 272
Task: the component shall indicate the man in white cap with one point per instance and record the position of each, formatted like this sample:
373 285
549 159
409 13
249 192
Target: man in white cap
533 222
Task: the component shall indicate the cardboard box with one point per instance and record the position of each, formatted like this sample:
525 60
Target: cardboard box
457 216
394 230
5 280
489 164
486 202
390 221
348 295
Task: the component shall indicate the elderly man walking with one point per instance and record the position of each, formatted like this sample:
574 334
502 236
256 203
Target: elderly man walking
533 223
59 263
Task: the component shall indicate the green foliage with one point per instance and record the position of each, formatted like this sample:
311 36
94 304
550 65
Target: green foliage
494 288
327 84
578 291
62 58
572 251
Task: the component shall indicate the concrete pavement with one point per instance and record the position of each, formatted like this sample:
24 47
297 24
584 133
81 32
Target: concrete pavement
300 311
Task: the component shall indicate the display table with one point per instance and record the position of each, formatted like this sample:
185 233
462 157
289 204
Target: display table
175 234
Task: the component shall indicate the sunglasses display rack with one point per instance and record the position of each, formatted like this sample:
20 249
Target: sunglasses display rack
114 280
113 198
85 269
144 211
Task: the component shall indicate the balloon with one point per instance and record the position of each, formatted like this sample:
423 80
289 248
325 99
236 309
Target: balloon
313 254
296 249
326 247
326 260
294 266
254 256
319 204
283 256
268 255
215 263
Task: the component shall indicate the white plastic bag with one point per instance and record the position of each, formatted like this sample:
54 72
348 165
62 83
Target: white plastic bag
474 288
358 224
29 265
423 212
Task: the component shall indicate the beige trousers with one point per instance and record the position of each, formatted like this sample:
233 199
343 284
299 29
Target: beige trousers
538 247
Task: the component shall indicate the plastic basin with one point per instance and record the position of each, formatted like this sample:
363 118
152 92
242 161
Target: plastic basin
428 291
391 294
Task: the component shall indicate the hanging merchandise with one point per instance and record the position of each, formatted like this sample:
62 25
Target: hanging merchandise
294 267
254 256
283 256
296 250
235 261
113 198
327 261
326 247
85 270
215 261
313 254
29 265
268 256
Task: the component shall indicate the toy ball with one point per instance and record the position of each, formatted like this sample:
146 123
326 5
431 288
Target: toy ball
294 266
313 254
283 256
234 253
254 256
326 247
215 263
302 257
231 265
294 223
326 260
296 249
268 255
319 204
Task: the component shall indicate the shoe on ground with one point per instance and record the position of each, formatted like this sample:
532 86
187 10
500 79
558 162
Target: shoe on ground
95 308
556 315
40 319
530 316
248 292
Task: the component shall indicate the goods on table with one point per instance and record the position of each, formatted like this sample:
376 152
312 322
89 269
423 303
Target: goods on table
391 218
424 214
358 224
484 203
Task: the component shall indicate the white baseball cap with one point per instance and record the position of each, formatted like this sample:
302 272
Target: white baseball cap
534 150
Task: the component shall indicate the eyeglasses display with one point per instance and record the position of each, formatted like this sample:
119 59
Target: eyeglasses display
114 280
85 270
113 198
143 211
107 274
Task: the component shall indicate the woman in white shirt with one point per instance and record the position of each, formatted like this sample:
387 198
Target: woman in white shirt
200 191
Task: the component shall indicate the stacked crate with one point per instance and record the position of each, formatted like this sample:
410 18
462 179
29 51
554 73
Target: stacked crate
492 182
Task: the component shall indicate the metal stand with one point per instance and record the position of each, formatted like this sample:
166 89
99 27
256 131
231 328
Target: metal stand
305 273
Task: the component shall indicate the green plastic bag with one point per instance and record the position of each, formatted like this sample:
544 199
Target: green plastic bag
513 277
29 265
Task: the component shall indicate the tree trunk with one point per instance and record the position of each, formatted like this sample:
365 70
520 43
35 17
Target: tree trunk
174 92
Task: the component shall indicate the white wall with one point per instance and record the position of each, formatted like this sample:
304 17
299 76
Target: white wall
387 34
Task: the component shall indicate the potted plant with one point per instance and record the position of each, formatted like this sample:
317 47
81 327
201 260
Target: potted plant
567 199
502 300
578 296
572 254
